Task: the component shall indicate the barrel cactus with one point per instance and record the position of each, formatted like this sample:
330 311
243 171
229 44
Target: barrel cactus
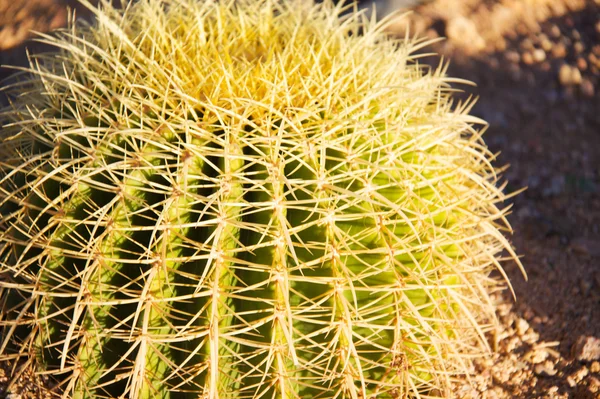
243 199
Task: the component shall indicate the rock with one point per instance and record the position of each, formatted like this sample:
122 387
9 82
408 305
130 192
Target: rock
13 396
493 62
512 343
568 75
559 51
463 31
512 56
595 367
527 58
515 72
594 384
490 395
539 55
526 44
581 64
586 349
587 88
580 374
545 43
521 326
545 66
545 370
500 44
536 356
531 337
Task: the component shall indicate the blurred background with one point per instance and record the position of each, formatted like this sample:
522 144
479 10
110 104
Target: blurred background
536 66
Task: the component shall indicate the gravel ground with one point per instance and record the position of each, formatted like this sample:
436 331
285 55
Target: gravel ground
536 64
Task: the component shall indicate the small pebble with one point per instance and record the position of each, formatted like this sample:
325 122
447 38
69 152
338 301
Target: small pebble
531 337
568 75
512 343
545 370
580 374
545 42
536 356
521 326
593 384
595 367
581 64
522 29
587 88
539 55
545 66
512 56
464 31
559 51
579 47
526 44
501 45
555 31
527 58
586 349
493 62
515 72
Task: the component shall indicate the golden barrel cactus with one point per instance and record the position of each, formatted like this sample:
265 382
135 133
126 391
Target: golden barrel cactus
243 199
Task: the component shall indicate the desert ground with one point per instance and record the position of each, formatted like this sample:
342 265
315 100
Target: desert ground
536 69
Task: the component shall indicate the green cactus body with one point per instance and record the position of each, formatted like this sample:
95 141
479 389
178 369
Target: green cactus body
243 200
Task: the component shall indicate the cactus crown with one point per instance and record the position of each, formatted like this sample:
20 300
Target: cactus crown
243 199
